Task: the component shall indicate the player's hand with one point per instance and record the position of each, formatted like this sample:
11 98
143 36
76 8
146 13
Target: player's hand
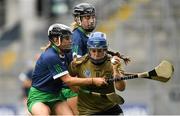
115 61
116 65
99 81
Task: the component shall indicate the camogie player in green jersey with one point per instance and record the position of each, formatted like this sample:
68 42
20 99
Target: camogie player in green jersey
93 100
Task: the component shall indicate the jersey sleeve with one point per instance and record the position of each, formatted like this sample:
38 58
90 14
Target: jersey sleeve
77 45
57 67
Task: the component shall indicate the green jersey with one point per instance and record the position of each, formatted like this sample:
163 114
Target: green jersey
89 103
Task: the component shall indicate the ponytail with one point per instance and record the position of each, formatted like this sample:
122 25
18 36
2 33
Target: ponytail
125 59
74 25
44 48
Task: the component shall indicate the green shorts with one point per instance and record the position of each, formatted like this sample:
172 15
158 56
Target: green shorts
68 93
49 99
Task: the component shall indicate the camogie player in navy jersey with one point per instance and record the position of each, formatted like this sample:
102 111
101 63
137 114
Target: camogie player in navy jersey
84 24
50 74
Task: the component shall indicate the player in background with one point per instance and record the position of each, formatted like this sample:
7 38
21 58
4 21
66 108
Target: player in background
93 100
51 71
26 79
84 24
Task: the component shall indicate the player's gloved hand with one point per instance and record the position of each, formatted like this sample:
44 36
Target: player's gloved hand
99 81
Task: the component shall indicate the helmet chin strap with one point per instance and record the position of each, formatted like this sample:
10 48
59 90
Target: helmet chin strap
59 39
56 46
58 42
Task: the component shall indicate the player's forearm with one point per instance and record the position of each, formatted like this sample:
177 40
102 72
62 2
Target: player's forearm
73 81
79 81
120 85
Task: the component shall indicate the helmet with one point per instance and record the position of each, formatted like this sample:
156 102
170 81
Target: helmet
61 31
83 9
97 40
57 30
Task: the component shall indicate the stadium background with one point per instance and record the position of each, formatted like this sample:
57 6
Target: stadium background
148 31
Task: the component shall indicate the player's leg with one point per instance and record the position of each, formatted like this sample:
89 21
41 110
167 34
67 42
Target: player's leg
72 102
62 108
26 108
40 108
40 102
71 99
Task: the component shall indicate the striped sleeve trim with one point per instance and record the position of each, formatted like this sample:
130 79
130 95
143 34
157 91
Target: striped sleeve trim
60 74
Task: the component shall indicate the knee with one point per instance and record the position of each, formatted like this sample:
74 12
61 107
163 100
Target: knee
40 109
62 108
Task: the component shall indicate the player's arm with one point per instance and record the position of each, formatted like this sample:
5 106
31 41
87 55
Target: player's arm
74 81
117 72
25 80
120 85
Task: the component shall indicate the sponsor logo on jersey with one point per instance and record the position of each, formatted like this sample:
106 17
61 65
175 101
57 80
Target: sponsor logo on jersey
87 73
58 68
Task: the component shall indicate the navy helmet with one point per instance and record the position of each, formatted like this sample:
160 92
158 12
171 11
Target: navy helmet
83 9
97 40
59 30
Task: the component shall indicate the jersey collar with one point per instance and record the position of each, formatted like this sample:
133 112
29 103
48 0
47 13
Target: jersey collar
57 50
82 30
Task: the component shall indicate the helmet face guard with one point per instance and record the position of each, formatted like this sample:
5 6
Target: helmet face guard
97 41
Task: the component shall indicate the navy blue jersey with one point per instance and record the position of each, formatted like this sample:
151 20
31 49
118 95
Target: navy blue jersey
49 67
79 42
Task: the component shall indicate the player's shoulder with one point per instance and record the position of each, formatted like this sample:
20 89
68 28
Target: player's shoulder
76 33
49 54
81 60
